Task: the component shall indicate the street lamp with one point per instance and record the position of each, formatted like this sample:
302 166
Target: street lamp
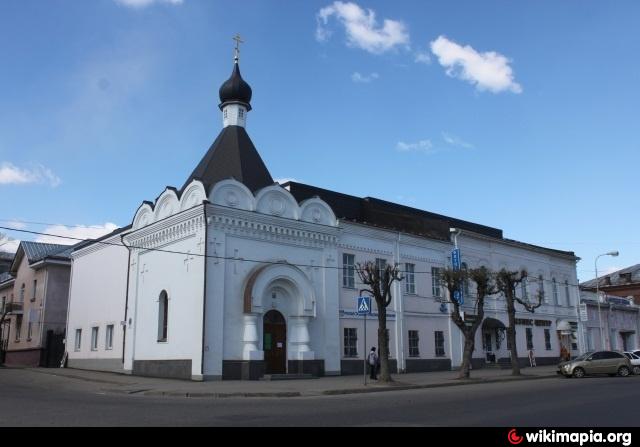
611 253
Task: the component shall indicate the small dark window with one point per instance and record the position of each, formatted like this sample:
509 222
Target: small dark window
163 316
350 342
439 341
529 338
414 341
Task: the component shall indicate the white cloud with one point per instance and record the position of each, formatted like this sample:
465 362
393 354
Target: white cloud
77 232
145 3
453 140
420 146
15 224
8 244
361 28
13 175
357 77
487 71
421 57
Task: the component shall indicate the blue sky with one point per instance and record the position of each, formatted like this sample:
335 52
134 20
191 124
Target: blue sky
518 115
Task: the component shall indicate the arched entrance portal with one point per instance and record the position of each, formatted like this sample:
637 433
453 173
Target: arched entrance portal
275 342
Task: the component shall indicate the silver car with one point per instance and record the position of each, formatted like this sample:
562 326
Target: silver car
598 362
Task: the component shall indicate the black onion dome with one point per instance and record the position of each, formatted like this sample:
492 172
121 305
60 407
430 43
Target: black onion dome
235 89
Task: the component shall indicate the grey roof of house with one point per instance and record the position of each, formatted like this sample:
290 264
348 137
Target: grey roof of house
4 277
617 278
37 251
6 256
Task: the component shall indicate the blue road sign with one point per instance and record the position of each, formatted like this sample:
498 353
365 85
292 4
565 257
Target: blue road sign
455 258
364 305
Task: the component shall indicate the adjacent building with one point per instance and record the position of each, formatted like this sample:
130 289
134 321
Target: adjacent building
36 288
234 276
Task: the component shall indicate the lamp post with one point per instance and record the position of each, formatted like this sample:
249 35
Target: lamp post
611 253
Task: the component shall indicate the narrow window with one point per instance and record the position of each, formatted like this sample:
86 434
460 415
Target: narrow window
381 265
94 338
163 316
529 338
350 342
241 113
523 290
78 339
439 340
435 281
22 294
225 113
567 294
410 278
547 339
109 337
414 340
4 303
541 288
35 287
18 326
29 330
554 286
348 270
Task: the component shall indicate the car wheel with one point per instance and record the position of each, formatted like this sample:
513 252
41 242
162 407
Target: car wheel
636 370
623 371
578 373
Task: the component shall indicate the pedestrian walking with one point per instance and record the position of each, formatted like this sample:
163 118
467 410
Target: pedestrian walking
532 358
372 360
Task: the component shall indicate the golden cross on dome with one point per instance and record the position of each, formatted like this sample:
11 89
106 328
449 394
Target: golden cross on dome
238 42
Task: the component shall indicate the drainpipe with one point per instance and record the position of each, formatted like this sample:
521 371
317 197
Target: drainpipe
399 311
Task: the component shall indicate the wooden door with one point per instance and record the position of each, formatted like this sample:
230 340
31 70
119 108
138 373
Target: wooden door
275 343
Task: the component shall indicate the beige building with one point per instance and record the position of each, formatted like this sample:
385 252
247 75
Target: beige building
33 298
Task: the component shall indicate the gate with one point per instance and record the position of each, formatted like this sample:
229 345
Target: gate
53 351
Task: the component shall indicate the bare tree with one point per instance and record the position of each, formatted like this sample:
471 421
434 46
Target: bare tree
507 281
379 282
485 286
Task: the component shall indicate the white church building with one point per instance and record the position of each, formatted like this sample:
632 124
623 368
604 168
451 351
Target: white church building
234 276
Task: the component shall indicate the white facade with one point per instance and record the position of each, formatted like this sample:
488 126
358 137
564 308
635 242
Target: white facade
97 297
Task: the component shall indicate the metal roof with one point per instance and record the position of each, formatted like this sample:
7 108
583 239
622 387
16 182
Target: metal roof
628 275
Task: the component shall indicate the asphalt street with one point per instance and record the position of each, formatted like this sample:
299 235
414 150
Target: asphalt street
31 399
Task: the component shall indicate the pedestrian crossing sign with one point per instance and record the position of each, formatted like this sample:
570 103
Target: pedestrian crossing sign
364 305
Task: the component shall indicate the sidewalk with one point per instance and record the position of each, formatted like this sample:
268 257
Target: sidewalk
126 384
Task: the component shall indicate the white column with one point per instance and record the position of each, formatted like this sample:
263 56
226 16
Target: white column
299 348
250 339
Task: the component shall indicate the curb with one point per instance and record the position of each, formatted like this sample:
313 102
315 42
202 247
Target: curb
316 393
432 385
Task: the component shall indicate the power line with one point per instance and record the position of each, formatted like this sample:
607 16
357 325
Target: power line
531 278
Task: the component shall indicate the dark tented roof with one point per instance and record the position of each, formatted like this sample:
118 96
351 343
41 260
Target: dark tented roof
232 154
628 275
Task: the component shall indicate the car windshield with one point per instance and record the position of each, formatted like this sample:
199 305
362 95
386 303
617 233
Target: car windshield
584 356
631 355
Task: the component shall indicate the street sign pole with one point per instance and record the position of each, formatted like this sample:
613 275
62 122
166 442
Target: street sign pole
365 350
364 307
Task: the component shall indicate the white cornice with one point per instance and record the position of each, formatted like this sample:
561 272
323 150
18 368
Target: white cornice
265 227
164 224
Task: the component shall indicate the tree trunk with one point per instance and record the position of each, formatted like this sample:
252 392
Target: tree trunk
383 345
467 354
511 336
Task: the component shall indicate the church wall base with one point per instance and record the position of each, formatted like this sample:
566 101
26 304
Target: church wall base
427 365
108 365
353 367
242 369
171 369
313 367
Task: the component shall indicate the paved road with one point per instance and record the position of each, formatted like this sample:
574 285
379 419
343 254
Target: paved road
28 398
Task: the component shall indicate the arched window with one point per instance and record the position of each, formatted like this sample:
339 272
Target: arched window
567 294
555 291
541 288
163 315
524 292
